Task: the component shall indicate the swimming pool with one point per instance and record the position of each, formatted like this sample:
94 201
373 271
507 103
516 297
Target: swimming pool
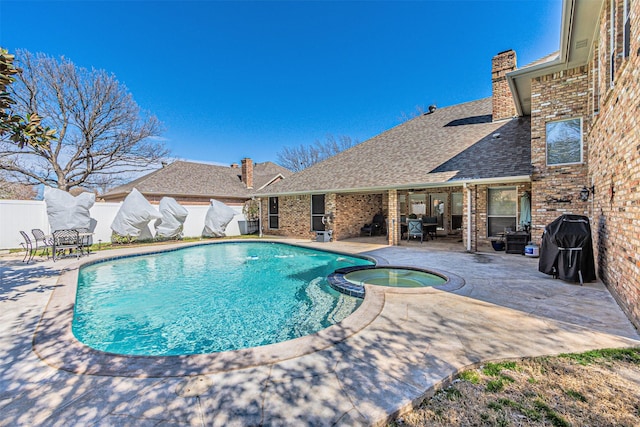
209 298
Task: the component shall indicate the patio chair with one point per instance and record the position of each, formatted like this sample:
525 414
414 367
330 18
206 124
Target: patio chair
414 229
43 241
66 240
375 228
85 237
28 247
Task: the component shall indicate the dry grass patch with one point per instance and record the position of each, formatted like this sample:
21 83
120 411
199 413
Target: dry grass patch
597 388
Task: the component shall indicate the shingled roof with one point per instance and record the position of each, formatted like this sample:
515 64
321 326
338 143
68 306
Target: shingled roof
457 143
191 179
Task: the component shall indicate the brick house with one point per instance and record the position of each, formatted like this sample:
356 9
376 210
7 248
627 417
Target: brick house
563 129
198 183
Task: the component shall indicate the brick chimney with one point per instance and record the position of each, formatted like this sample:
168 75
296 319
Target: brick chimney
247 172
503 105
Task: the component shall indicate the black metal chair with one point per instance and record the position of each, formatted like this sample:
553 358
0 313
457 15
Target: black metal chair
66 240
42 241
375 228
86 240
28 247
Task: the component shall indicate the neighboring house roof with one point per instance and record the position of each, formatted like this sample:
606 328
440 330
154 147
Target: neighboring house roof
453 144
191 179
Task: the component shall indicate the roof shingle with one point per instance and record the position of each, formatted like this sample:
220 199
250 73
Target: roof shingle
451 144
201 180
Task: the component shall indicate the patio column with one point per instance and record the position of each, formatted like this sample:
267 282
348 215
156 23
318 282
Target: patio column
393 221
469 206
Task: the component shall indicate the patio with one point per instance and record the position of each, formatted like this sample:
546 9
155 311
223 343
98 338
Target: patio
409 347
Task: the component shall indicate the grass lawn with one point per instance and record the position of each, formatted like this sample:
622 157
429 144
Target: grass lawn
596 388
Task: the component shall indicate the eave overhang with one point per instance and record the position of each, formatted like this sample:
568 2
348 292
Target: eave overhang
578 33
414 186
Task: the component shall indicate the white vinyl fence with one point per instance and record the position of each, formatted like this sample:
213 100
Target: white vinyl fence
25 215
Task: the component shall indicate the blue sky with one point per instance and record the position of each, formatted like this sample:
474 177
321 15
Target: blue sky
243 79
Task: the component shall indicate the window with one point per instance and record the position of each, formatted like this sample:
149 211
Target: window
502 209
417 202
456 211
317 212
626 19
274 218
564 142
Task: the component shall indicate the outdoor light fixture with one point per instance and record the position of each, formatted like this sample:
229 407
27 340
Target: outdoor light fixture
584 193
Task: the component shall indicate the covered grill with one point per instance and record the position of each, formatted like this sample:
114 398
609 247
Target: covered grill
567 251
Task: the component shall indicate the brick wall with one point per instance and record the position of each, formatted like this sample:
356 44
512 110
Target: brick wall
503 104
350 213
247 172
295 217
353 211
614 165
555 189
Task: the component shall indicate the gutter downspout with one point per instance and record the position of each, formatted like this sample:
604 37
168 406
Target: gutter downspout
260 217
468 216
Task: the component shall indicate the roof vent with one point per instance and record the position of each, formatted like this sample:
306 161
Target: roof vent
432 108
496 135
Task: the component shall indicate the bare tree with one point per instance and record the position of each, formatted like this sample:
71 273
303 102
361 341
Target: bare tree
301 157
15 190
102 133
418 111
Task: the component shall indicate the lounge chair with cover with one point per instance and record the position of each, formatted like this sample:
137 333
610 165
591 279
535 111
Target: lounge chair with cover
133 218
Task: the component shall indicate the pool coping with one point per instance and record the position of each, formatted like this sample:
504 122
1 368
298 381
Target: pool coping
55 344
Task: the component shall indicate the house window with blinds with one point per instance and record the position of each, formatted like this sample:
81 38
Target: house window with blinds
502 210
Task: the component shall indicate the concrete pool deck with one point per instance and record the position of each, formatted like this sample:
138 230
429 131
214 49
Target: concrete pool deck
399 351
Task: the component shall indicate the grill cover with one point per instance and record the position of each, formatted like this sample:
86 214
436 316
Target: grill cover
567 250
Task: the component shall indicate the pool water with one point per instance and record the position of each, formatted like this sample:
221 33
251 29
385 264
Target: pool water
394 277
209 298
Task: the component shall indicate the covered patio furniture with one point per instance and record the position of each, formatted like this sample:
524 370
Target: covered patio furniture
66 240
375 228
43 242
414 229
28 247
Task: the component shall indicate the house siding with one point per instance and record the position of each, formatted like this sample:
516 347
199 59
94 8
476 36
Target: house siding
614 166
555 188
